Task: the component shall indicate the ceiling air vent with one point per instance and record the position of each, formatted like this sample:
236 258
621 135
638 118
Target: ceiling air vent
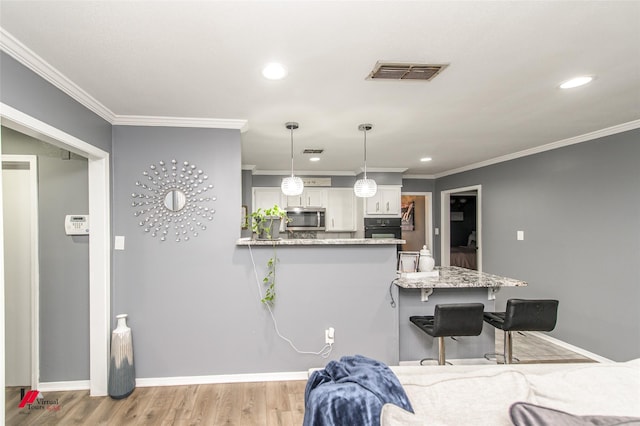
312 151
392 71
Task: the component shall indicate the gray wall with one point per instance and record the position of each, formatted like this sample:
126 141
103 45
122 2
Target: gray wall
64 260
579 208
194 307
418 185
275 181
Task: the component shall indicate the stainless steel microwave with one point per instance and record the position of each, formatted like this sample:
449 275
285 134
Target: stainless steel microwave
305 218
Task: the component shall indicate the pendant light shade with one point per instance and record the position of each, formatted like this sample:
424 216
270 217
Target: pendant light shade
365 188
292 185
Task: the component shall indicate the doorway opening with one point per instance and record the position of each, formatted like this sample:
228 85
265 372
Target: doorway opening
417 220
461 222
99 240
21 271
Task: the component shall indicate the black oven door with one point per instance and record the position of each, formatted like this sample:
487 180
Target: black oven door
382 228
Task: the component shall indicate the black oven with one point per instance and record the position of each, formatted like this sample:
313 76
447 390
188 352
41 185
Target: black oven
375 227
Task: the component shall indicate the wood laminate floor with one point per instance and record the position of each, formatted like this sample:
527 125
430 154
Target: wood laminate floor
242 404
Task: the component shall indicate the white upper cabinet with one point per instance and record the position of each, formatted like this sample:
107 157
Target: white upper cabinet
385 202
265 198
310 197
341 210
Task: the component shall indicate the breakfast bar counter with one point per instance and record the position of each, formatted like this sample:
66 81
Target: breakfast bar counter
320 242
419 296
456 277
344 284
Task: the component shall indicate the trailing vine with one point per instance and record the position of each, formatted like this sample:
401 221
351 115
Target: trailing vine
270 279
262 223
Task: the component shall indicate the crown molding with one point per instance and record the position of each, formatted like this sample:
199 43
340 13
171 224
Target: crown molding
608 131
209 123
21 53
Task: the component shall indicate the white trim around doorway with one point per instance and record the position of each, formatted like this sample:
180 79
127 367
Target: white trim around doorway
445 239
99 239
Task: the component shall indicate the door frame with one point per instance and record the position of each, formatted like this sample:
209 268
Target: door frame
99 241
428 220
34 288
445 224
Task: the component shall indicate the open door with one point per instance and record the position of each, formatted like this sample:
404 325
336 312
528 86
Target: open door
461 222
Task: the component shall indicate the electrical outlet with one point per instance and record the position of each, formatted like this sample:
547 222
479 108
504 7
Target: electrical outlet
329 335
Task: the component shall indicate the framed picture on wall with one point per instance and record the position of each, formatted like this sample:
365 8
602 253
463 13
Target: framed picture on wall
457 216
407 223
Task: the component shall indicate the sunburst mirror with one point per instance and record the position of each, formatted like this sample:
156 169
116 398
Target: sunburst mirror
173 202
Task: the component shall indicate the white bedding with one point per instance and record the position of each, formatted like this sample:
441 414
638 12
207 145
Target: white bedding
482 395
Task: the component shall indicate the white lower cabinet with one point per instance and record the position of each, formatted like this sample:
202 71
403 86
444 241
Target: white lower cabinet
341 210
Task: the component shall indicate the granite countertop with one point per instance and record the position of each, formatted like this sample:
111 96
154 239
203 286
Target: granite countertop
456 277
320 242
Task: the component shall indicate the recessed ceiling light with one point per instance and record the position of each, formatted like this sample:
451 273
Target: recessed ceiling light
314 159
274 71
577 81
425 159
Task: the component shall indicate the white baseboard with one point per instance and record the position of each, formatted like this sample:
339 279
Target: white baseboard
64 386
570 347
221 378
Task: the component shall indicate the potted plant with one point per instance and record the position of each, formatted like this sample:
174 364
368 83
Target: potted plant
265 224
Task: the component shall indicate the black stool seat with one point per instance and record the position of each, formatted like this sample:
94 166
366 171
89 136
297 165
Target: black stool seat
523 315
456 319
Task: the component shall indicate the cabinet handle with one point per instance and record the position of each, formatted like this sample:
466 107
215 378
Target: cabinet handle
377 206
308 201
387 206
333 225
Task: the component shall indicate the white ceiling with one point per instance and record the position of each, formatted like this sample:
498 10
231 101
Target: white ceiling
498 96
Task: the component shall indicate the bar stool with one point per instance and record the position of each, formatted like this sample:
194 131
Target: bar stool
523 315
457 319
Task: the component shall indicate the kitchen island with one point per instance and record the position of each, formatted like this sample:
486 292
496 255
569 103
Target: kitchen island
320 283
352 285
418 296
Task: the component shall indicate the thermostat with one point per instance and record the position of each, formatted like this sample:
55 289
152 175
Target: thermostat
76 224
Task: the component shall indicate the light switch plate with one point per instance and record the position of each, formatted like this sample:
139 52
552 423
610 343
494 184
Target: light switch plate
520 235
119 243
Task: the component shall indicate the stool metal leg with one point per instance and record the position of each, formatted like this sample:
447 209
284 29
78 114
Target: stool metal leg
508 348
441 351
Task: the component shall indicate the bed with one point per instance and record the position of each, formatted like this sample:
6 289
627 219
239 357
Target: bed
464 257
526 394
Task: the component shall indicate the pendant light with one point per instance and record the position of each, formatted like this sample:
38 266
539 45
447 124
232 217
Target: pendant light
292 185
365 188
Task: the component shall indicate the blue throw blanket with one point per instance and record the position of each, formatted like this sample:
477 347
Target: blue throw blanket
351 392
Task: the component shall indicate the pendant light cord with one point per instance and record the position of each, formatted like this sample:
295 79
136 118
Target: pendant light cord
365 153
292 151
